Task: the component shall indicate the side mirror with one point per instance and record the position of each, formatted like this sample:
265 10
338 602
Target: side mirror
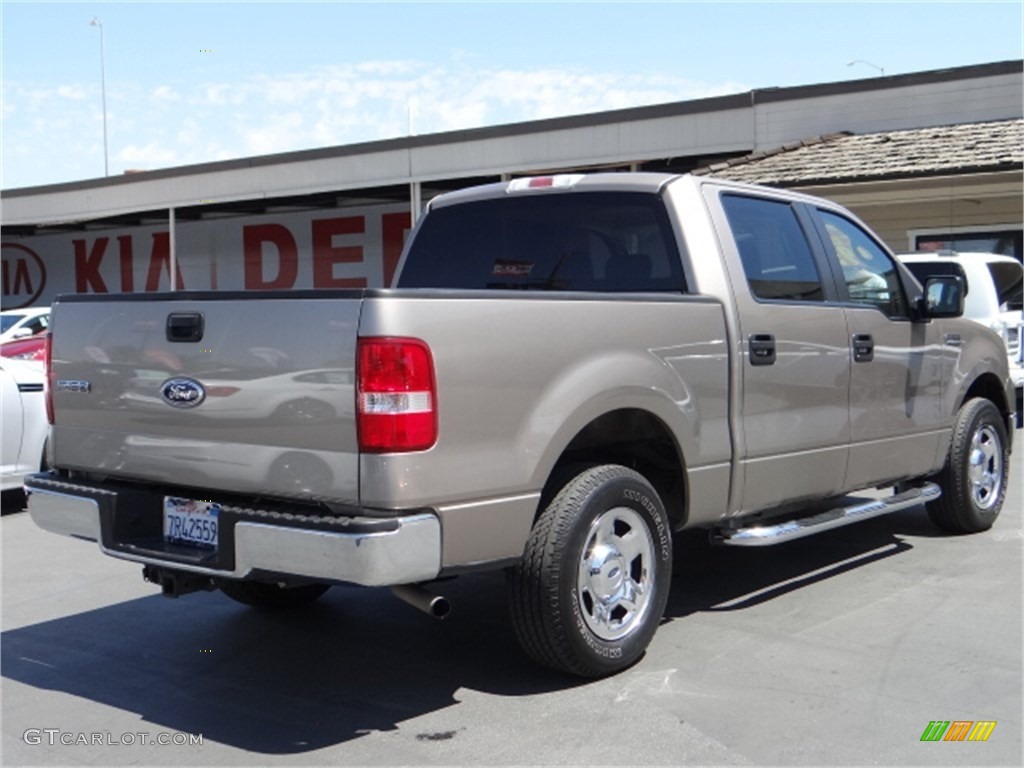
943 297
21 333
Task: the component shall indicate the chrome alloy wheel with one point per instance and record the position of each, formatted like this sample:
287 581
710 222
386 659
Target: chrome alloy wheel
616 575
985 467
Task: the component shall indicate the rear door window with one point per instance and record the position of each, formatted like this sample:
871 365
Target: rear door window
579 241
776 258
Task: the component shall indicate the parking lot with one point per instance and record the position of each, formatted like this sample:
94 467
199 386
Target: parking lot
834 650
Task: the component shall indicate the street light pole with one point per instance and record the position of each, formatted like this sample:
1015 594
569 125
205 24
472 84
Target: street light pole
103 90
862 61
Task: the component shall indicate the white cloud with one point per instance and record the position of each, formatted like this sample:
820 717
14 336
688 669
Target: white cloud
147 156
387 67
222 94
189 132
371 100
165 93
275 135
75 92
157 125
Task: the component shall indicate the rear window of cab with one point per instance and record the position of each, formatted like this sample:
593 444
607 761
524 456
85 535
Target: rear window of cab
579 241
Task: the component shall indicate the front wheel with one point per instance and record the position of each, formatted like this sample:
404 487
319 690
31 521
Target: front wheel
973 480
591 588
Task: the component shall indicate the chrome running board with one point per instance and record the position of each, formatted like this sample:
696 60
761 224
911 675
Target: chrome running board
860 509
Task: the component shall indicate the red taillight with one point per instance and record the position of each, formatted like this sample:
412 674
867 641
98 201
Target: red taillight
396 397
48 365
561 181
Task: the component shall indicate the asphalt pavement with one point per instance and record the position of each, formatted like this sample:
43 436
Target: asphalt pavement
838 649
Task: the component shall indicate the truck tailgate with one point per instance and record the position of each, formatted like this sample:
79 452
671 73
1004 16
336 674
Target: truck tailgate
244 394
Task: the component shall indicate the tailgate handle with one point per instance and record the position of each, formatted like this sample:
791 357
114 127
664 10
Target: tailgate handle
185 326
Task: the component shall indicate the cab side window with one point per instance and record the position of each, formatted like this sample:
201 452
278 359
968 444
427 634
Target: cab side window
869 272
776 257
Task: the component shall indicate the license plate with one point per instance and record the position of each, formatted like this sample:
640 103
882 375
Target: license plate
192 522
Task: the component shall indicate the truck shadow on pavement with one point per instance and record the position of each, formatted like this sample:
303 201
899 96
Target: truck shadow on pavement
359 661
722 578
356 662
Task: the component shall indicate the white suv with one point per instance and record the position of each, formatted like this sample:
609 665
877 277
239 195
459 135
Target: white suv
994 284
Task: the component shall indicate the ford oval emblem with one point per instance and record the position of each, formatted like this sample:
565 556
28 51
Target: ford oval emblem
182 393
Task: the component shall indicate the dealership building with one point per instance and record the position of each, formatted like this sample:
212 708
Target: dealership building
929 160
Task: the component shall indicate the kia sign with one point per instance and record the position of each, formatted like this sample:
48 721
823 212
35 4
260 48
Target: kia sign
338 248
24 275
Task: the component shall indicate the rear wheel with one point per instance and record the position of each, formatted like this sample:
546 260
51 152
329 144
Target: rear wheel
271 597
974 479
591 588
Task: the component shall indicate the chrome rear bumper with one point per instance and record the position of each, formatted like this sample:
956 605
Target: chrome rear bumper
408 553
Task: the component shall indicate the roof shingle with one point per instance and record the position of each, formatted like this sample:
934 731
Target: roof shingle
918 152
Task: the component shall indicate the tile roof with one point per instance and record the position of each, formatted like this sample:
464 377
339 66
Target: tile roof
845 157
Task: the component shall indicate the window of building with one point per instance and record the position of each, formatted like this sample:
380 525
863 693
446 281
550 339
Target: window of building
1008 242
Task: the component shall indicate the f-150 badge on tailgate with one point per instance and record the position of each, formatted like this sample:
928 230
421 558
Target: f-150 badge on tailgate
182 393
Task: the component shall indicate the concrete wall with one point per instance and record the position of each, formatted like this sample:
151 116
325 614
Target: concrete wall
912 106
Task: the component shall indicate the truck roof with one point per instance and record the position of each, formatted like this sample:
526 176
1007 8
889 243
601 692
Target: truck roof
639 181
604 182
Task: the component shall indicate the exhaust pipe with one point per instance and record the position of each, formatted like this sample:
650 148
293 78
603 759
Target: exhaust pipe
423 599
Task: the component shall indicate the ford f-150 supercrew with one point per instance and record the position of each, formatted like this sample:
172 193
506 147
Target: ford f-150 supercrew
568 370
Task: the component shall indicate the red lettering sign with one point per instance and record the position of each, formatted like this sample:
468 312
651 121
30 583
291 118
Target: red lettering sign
253 238
160 258
124 243
87 266
24 276
326 254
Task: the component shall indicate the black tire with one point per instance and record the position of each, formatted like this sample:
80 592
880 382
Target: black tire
580 620
973 480
271 597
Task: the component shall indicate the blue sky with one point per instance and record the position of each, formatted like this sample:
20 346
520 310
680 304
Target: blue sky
191 82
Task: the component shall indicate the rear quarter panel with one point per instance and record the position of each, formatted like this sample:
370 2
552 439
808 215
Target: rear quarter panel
518 377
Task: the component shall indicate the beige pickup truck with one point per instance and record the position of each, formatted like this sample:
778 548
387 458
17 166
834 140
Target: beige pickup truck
568 370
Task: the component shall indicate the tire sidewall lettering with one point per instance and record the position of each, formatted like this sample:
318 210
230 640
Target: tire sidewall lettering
647 505
599 647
